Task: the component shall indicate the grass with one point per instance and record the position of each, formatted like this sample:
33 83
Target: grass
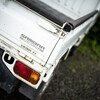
91 44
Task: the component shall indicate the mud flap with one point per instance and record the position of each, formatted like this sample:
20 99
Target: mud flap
31 93
7 81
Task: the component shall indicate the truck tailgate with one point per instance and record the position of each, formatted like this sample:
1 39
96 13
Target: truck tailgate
27 30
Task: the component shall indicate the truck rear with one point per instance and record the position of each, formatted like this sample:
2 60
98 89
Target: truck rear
35 35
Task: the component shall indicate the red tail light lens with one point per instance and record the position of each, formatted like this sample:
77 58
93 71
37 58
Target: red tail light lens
22 70
26 72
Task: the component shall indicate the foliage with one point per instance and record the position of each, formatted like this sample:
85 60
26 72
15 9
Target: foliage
91 44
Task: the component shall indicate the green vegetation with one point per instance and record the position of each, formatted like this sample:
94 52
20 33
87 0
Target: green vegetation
91 44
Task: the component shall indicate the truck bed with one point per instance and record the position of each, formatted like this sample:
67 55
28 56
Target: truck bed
47 9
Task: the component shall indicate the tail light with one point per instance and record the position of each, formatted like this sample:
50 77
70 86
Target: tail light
27 73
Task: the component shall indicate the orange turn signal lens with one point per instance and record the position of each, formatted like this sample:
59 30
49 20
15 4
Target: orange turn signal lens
34 77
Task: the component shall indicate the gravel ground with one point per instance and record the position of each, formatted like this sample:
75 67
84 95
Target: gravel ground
78 78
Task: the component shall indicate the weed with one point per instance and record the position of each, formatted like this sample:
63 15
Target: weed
91 43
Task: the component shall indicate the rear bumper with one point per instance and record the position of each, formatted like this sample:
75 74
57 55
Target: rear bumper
7 81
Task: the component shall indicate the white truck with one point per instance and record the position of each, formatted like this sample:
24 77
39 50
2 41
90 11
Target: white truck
35 35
